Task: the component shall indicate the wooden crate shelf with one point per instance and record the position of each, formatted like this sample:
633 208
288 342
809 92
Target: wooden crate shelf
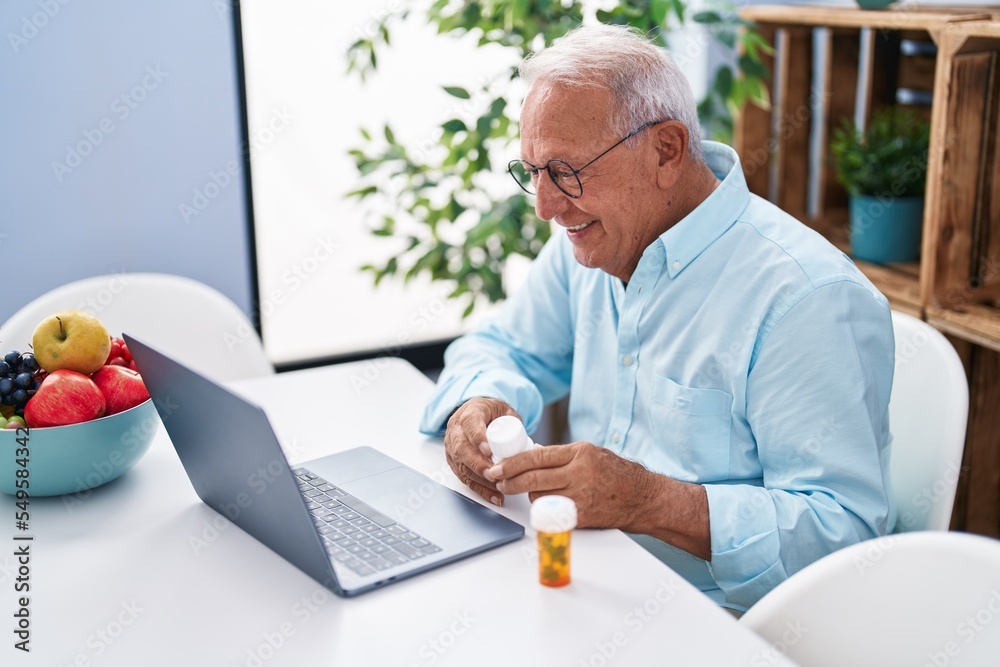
920 17
861 66
962 222
974 323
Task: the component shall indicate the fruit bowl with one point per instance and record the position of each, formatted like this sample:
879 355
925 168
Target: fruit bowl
77 457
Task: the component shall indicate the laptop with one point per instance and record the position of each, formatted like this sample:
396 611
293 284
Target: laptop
348 520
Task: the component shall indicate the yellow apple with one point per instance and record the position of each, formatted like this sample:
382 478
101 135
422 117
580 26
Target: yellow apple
71 339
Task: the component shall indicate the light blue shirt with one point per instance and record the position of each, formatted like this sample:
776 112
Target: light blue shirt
746 354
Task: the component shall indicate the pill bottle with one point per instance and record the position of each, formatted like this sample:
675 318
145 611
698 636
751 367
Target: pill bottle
554 518
507 437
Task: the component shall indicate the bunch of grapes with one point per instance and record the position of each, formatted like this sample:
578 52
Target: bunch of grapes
20 377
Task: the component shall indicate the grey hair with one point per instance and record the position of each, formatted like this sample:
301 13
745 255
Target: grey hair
644 81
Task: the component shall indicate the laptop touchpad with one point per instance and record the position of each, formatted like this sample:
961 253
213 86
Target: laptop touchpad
353 464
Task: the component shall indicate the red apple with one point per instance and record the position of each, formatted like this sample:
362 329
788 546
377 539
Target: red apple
64 397
122 387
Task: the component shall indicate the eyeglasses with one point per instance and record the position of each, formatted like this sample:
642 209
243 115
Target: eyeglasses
566 178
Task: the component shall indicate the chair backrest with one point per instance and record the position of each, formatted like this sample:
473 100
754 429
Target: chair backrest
190 320
923 598
928 414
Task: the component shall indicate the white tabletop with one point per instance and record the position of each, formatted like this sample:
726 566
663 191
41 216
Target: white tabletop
142 573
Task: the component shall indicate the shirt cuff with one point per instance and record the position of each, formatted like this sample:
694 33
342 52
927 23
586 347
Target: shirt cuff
507 386
746 547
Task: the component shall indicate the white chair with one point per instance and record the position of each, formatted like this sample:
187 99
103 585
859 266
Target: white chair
928 413
924 598
193 322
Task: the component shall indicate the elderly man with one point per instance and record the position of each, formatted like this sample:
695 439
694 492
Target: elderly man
728 369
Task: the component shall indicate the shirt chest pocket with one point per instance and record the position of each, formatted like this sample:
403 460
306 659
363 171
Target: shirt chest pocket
692 428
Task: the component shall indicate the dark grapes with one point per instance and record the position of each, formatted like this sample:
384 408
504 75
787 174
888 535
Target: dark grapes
28 363
19 398
20 377
24 380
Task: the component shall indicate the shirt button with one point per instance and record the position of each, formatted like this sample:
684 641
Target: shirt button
677 265
615 438
626 360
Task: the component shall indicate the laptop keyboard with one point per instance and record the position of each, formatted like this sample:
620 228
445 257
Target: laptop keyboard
356 534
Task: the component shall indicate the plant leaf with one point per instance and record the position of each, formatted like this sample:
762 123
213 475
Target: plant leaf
455 91
707 17
658 11
361 193
679 9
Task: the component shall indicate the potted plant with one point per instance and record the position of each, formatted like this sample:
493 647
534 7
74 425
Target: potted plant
874 4
884 169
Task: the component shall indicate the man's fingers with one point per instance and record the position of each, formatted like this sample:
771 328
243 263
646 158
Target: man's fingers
543 470
466 447
553 456
473 424
466 463
473 433
469 475
465 450
473 430
486 493
485 489
476 415
542 480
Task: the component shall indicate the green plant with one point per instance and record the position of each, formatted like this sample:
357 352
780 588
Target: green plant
463 232
888 158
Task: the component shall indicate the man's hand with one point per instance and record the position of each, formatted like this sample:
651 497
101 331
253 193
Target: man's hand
611 492
465 445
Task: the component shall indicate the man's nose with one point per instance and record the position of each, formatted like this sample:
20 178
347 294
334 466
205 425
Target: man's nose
549 200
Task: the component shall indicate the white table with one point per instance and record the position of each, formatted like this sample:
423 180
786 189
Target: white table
141 573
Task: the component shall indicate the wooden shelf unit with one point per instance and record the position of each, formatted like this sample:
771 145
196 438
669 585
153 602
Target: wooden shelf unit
956 283
961 284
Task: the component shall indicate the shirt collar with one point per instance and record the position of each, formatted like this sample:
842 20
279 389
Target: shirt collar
701 227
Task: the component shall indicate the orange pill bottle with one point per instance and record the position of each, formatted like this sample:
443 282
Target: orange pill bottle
554 518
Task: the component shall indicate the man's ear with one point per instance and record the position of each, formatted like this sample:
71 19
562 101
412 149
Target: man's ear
671 142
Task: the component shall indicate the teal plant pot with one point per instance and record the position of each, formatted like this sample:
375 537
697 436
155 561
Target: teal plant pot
874 4
886 229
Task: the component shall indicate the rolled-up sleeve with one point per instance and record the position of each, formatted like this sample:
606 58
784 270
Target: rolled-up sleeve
817 400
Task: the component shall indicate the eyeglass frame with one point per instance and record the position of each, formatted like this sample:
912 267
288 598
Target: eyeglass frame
575 172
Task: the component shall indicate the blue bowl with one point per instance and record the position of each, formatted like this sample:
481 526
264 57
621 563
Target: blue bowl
77 457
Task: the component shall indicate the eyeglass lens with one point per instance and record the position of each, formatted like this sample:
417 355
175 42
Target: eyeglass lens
561 173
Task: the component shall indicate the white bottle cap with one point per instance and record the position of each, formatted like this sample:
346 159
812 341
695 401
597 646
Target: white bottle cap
506 437
553 514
